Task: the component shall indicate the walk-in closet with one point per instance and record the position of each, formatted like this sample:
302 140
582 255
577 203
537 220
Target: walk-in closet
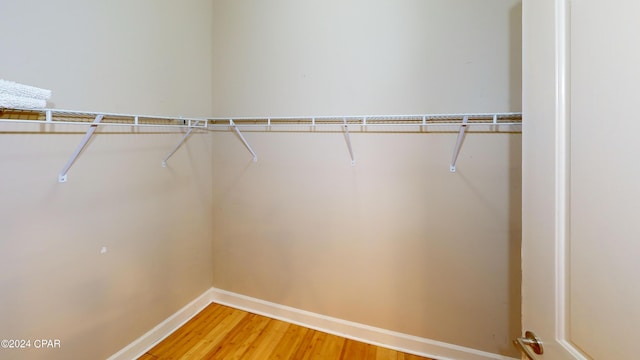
354 167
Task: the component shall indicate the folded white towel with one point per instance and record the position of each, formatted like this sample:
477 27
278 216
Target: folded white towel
26 91
19 102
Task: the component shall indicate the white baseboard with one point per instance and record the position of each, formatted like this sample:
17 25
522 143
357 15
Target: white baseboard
348 329
352 330
141 345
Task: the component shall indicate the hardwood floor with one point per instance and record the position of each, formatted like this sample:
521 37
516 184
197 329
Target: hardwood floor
222 332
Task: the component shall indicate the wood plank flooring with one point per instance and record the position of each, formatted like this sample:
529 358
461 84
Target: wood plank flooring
222 332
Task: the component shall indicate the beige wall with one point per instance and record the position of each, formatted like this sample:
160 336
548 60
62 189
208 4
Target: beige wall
145 57
142 57
397 241
287 57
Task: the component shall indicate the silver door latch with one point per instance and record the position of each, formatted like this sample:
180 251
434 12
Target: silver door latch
529 345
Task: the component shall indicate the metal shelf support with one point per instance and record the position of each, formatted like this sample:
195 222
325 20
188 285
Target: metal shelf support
170 154
347 138
456 150
192 123
62 177
244 141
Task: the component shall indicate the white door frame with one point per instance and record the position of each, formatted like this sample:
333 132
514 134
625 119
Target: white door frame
546 112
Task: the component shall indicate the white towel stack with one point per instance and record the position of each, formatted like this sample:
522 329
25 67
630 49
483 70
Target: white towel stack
14 95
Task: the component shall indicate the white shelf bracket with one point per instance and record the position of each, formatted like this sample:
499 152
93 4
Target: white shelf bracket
347 138
456 150
62 177
170 154
244 141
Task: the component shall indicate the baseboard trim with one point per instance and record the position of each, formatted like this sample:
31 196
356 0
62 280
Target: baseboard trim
352 330
142 344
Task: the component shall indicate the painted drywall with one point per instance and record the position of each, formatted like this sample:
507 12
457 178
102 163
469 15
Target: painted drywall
141 57
397 241
148 57
333 57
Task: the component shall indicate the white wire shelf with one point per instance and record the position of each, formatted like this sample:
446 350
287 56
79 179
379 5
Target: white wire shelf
71 117
492 122
511 121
